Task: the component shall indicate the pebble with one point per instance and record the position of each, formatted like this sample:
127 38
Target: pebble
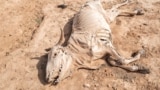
108 85
95 79
96 85
87 85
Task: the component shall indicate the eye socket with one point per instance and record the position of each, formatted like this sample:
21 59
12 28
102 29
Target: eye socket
54 55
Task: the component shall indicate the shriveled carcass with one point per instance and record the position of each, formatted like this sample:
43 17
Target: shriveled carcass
89 43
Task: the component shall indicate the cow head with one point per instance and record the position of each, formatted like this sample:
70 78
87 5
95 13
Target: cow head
59 64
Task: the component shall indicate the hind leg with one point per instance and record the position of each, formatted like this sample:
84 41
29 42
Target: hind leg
131 13
114 12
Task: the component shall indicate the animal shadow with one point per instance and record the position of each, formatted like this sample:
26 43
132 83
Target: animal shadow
41 66
67 31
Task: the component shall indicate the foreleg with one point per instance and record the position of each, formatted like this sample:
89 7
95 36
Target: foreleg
121 62
93 65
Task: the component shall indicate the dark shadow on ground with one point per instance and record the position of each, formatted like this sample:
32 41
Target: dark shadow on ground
67 30
41 66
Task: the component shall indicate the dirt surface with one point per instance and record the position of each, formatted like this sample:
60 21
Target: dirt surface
23 44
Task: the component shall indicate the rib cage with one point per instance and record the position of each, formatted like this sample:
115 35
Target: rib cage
90 31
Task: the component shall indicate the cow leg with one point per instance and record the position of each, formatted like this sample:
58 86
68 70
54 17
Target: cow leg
114 12
134 68
111 14
121 62
93 65
131 13
129 60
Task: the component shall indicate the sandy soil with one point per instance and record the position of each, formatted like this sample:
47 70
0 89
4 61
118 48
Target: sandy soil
23 44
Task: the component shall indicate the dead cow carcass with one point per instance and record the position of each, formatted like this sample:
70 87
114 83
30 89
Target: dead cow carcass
90 41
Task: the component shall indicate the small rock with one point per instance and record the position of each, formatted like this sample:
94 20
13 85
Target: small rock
62 6
95 79
114 88
95 88
111 74
7 53
87 85
96 85
145 24
108 85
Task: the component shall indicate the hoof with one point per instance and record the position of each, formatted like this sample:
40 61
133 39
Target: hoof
142 52
139 12
55 82
144 71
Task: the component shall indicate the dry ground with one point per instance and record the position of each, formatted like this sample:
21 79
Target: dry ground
23 44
